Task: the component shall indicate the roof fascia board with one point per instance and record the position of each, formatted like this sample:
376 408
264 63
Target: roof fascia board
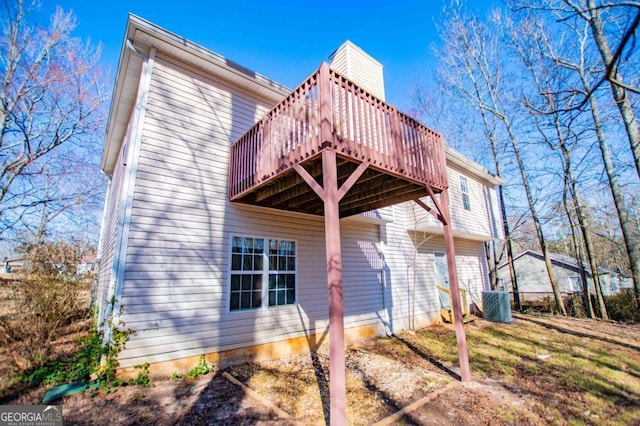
453 157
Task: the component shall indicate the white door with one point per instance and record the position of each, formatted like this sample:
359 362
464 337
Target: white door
442 277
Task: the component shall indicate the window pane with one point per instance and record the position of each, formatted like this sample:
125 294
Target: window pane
242 245
257 282
257 299
291 264
258 245
246 282
245 300
236 262
273 263
235 301
257 262
273 278
237 245
291 297
465 202
291 281
247 262
235 282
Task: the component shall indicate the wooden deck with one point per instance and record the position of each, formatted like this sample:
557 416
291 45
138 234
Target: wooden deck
329 111
334 150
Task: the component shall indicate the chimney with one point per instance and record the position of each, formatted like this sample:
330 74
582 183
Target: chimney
355 64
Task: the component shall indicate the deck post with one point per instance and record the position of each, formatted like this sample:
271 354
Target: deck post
324 95
463 355
331 195
337 381
443 214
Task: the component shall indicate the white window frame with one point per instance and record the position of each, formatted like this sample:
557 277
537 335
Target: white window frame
464 189
265 273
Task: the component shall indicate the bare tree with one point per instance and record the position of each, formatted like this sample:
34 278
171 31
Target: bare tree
51 98
592 14
471 52
531 40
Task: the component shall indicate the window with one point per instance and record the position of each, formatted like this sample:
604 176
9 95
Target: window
575 284
282 272
262 275
464 188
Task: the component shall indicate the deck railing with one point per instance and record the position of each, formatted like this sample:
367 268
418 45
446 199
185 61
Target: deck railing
329 110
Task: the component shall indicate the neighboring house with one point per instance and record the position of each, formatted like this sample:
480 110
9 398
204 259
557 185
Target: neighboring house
12 266
533 280
199 257
87 265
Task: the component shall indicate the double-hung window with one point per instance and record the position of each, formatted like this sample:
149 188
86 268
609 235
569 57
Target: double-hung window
263 273
464 189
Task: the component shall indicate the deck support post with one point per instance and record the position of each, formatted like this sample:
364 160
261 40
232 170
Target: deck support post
444 216
331 195
337 381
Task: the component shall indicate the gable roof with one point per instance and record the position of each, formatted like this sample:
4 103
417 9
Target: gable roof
558 259
140 37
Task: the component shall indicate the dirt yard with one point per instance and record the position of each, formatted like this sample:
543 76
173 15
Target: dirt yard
535 371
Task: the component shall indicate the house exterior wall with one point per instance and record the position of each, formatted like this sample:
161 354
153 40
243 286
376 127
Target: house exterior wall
359 67
111 230
532 277
173 292
480 222
409 259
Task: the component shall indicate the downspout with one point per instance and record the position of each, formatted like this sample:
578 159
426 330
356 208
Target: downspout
124 221
388 329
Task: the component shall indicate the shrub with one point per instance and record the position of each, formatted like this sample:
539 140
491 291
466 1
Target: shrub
44 305
47 298
623 307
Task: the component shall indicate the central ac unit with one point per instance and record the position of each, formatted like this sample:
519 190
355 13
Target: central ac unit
496 306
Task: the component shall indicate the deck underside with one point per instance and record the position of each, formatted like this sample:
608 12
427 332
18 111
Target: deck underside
374 189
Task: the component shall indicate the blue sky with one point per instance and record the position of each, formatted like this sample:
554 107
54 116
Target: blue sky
283 40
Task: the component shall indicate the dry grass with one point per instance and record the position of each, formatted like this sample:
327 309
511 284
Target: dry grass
536 371
569 371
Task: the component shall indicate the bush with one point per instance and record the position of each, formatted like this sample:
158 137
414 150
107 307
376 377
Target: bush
44 306
47 298
623 307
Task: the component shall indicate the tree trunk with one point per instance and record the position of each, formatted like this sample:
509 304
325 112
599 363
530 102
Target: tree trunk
632 244
577 246
553 279
503 211
619 94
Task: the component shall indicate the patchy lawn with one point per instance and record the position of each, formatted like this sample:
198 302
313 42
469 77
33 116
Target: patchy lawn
537 370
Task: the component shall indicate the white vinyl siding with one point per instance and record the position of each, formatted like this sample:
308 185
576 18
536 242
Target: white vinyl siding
176 285
359 67
410 261
178 269
480 222
110 231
